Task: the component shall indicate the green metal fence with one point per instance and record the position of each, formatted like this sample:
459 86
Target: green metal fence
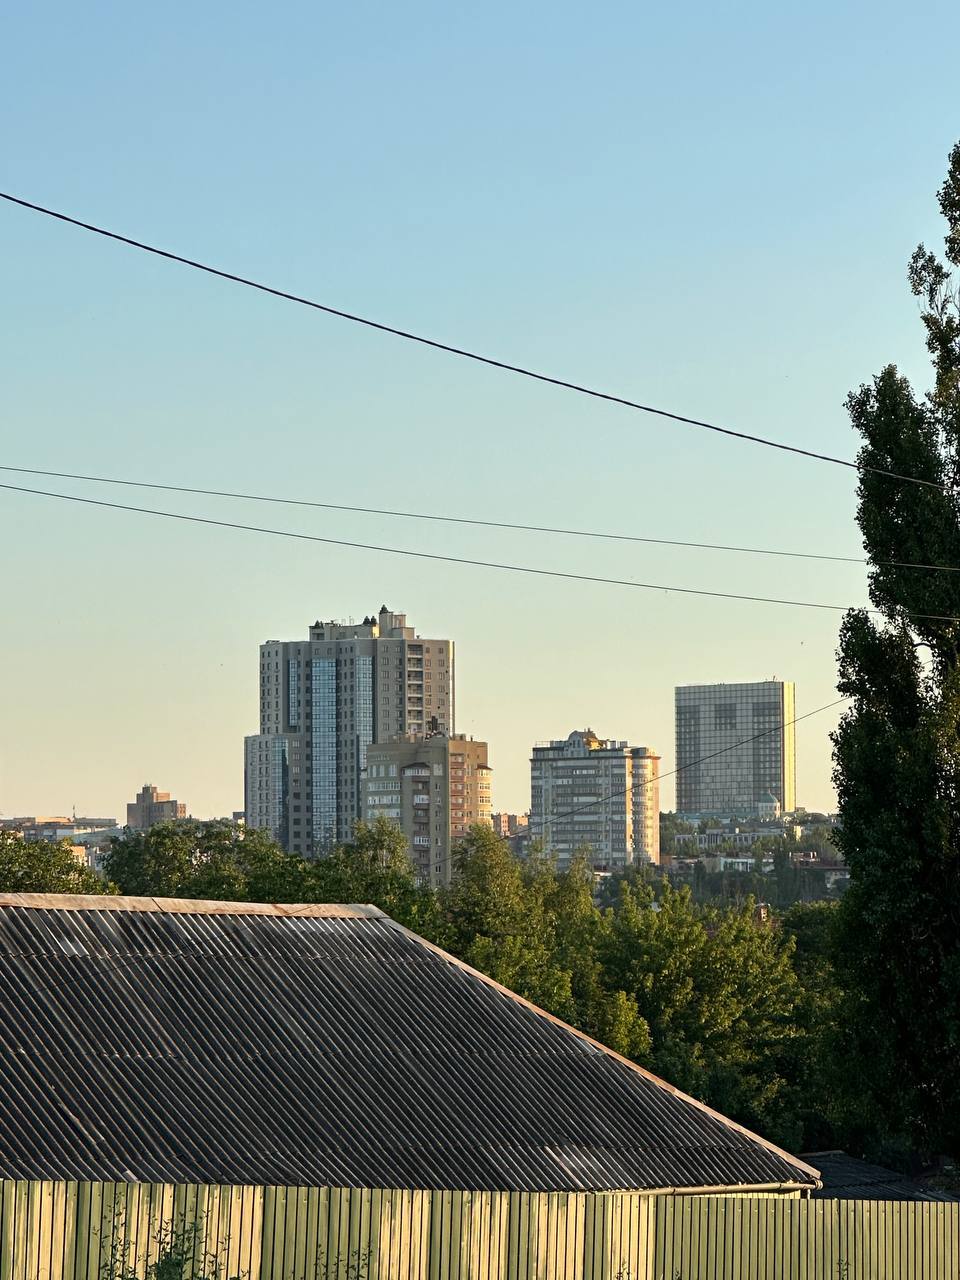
118 1231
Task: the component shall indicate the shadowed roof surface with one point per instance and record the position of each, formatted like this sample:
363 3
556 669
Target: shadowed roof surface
167 1041
848 1178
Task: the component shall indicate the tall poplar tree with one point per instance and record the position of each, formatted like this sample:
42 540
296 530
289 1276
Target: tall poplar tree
897 750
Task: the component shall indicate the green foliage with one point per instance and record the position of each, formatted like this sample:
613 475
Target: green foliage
224 861
42 866
897 751
176 1259
816 1067
718 992
216 860
670 827
375 868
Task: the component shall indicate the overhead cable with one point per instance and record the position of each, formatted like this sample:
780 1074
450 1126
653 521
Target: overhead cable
473 522
462 560
462 352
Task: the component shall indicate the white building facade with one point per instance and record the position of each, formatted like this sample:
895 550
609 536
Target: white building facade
598 795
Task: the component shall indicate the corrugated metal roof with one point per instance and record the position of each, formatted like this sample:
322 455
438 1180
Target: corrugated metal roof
848 1178
316 1047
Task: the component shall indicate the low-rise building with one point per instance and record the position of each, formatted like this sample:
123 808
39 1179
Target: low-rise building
434 788
152 806
507 825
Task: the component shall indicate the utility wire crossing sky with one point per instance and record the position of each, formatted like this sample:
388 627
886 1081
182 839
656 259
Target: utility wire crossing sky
462 352
436 555
483 524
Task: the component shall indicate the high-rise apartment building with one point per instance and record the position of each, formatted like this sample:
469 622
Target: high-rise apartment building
323 702
152 806
736 748
593 791
435 788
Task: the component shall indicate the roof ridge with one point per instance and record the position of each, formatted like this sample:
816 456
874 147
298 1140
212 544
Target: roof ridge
190 906
612 1053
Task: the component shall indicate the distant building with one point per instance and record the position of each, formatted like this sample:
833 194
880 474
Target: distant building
736 749
510 824
56 828
586 790
323 702
435 788
266 785
89 837
152 806
742 835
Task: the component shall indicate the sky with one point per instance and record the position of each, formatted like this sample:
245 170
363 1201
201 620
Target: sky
705 208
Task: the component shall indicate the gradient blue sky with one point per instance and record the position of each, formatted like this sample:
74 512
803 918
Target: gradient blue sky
708 208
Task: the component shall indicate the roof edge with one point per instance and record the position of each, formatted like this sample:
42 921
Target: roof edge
813 1175
189 906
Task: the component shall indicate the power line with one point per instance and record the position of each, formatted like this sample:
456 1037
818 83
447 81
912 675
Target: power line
646 782
482 524
461 351
476 523
435 555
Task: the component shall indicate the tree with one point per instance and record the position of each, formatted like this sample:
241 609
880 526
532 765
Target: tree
494 918
897 750
42 866
215 860
718 993
670 827
373 868
816 1067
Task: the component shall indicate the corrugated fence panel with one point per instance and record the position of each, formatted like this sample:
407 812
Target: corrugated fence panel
117 1231
720 1238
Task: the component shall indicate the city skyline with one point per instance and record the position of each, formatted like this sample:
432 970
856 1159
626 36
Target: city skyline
511 793
118 364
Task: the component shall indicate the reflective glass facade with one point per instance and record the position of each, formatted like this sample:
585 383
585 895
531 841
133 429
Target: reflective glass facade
293 692
736 748
323 714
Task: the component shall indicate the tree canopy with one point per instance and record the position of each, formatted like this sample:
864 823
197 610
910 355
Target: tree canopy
897 750
43 866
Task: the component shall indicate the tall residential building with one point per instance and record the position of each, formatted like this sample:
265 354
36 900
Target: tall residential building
736 748
323 702
152 806
435 788
593 791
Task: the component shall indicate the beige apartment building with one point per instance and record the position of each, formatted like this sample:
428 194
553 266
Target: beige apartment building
510 824
323 702
152 806
435 788
597 794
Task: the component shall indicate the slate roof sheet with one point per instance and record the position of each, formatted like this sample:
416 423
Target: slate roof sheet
162 1041
845 1177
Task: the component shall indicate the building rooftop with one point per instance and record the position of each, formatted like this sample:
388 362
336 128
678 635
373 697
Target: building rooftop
847 1178
162 1040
